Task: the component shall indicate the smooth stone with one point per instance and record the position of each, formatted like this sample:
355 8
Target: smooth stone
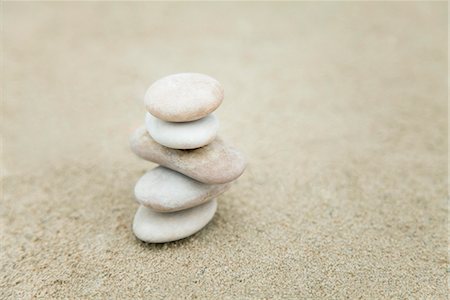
184 135
165 190
213 164
156 227
183 97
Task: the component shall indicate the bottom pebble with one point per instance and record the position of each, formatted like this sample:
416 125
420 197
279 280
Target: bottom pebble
154 227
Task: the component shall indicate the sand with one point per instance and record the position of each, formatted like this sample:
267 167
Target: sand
340 108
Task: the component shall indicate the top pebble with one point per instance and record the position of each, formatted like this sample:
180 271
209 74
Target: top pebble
183 97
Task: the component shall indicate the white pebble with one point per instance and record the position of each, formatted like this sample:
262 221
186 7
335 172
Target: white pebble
164 190
155 227
184 135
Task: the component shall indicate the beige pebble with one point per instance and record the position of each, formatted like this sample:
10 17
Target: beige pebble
165 190
183 97
156 227
213 164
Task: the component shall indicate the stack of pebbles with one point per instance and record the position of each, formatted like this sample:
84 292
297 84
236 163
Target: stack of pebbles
195 166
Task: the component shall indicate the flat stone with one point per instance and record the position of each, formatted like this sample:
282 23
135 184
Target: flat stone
183 135
164 190
213 164
183 97
156 227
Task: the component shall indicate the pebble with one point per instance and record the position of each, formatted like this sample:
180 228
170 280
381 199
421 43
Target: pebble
165 190
212 164
183 97
184 135
155 227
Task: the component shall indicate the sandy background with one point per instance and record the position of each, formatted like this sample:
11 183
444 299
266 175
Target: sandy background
341 109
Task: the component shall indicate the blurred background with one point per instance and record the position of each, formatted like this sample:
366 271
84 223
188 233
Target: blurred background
340 108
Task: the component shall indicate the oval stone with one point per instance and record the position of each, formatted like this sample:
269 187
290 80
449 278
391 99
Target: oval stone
155 227
183 135
183 97
165 190
213 164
